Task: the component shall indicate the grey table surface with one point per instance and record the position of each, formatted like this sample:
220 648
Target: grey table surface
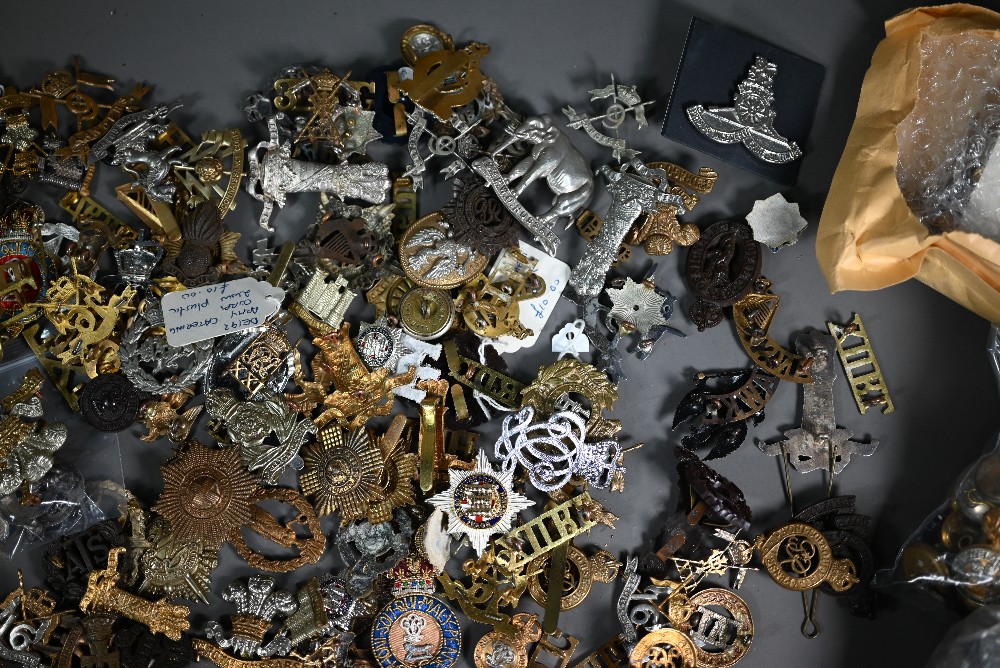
544 55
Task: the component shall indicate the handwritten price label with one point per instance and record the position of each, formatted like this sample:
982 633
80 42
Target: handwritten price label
535 312
215 310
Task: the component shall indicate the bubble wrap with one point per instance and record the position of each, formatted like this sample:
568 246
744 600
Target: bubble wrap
947 168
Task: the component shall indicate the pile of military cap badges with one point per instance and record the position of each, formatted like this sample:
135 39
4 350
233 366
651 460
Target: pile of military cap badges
184 337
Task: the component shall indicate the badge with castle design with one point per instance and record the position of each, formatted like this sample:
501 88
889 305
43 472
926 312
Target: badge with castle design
416 628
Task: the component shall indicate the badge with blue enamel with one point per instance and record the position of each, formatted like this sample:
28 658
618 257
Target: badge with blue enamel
416 628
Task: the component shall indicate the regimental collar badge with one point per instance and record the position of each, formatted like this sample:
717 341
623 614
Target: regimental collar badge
750 121
480 502
416 628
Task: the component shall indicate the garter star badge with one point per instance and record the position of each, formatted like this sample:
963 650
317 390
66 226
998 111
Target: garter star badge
480 502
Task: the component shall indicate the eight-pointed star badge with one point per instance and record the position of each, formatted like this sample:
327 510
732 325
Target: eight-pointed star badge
480 502
638 305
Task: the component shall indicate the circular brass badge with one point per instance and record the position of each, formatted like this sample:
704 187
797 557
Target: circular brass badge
426 313
733 645
797 556
664 648
578 579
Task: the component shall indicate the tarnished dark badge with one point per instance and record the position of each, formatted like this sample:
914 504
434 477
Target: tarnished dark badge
721 268
346 240
479 219
110 402
69 561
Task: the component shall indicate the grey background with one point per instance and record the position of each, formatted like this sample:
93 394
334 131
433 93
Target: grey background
545 55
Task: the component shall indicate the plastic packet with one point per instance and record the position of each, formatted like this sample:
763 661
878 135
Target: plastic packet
947 168
973 642
63 505
62 508
954 556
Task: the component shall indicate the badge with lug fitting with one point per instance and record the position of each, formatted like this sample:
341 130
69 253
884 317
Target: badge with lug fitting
275 174
110 403
204 171
776 222
480 502
753 315
665 647
581 571
721 639
568 376
285 533
265 363
163 417
798 556
104 595
258 603
860 366
446 79
502 650
204 250
623 100
27 445
369 550
360 394
634 189
144 345
416 628
343 240
478 218
818 443
174 567
249 423
555 451
723 409
644 309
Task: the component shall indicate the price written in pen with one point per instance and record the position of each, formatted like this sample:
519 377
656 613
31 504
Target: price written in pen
538 305
215 310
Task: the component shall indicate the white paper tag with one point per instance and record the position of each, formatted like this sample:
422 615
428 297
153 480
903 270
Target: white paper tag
214 310
535 312
570 340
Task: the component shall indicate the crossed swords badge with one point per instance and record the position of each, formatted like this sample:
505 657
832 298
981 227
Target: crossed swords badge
624 99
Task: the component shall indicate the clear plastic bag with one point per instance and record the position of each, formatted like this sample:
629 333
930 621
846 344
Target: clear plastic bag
954 556
87 456
63 508
974 642
947 167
